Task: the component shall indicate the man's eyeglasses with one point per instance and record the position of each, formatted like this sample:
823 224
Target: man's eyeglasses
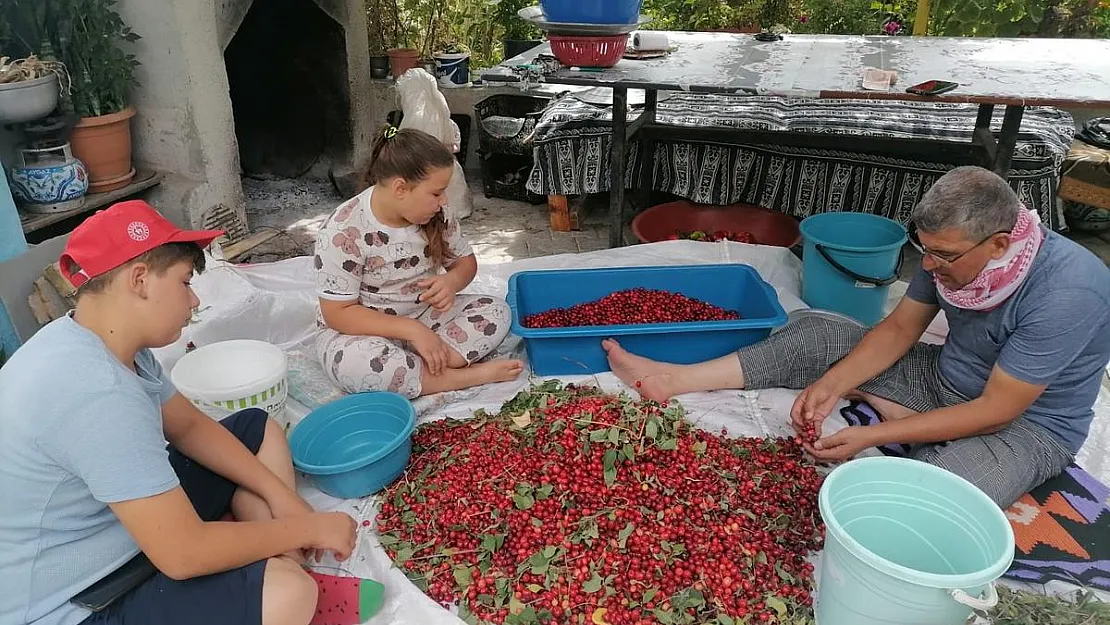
942 258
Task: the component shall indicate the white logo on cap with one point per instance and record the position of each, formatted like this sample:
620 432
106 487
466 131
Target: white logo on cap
138 231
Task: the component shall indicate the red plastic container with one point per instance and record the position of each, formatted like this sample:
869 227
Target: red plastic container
597 52
662 222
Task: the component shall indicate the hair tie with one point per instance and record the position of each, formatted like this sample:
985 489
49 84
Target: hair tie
390 132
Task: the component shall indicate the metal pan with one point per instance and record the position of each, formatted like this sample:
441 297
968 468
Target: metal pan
535 15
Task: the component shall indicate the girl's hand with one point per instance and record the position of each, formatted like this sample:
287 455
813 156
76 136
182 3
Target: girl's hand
433 350
439 292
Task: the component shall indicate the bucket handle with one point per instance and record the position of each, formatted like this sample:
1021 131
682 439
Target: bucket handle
860 278
987 602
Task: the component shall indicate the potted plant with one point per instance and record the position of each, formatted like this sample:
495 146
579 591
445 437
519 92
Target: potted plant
519 35
92 47
383 27
402 58
29 88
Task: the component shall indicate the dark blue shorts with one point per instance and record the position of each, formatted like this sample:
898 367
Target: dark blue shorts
230 598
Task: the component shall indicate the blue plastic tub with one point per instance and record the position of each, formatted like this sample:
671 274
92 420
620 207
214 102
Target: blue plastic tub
849 262
355 446
907 543
570 351
592 11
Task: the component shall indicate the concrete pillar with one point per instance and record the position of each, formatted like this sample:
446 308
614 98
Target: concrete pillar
12 244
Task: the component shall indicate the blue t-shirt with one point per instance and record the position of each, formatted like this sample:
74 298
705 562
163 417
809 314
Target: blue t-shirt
1052 330
78 430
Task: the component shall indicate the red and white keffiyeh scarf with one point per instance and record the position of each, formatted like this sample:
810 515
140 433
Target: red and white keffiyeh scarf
1001 278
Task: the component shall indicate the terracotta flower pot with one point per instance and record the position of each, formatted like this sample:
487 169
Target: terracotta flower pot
103 144
402 60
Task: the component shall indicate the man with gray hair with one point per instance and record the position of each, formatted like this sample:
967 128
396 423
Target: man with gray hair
1006 402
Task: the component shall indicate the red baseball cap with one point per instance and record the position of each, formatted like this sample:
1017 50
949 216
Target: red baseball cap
120 234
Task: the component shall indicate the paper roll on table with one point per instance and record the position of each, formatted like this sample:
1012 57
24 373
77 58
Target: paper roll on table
650 40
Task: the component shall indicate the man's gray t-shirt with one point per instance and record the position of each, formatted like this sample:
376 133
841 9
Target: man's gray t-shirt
78 430
1051 331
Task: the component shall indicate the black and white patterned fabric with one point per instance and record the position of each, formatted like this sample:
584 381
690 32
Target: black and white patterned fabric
1005 465
572 139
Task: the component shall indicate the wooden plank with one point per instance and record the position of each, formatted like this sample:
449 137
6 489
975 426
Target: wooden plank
94 201
231 252
558 210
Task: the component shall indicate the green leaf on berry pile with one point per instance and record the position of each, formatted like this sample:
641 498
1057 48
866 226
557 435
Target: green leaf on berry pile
666 618
403 555
593 584
516 606
699 448
649 594
523 502
724 619
629 452
609 463
534 588
463 577
486 600
783 575
624 534
776 604
668 444
761 558
420 580
536 522
598 435
557 426
388 539
543 492
491 542
652 428
466 615
614 435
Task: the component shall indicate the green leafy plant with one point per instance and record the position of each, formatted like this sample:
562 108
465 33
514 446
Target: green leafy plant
1020 18
92 42
88 37
512 25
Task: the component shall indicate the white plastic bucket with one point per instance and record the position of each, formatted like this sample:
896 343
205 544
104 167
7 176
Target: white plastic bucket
229 376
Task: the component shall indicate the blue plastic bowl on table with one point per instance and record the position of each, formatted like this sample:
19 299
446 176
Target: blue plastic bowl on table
355 446
592 11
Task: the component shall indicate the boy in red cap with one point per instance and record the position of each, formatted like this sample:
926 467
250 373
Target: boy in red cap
100 522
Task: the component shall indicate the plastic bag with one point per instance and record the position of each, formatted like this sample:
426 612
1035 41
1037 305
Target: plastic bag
426 109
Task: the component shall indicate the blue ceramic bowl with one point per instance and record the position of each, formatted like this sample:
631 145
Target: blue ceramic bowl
355 446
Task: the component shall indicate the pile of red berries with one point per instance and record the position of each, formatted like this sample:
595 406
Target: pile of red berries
572 506
633 306
740 236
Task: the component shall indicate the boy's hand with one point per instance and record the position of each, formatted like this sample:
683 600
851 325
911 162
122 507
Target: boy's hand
439 292
288 504
334 532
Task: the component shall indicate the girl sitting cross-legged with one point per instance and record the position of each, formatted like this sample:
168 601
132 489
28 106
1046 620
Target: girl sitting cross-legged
389 266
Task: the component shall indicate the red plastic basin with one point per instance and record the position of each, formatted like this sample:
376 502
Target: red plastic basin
663 222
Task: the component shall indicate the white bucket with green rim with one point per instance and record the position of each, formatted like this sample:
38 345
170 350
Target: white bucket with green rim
229 376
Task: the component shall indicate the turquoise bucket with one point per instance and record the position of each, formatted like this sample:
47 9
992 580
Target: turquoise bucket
907 543
849 261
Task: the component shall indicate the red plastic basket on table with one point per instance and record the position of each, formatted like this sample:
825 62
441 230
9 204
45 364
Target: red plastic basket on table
588 51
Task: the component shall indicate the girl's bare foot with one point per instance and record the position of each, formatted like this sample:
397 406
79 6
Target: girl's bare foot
652 380
474 375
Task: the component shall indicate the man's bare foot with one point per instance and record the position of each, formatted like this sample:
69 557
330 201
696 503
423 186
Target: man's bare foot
652 380
474 375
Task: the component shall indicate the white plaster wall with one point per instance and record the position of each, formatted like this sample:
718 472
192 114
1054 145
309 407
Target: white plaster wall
184 124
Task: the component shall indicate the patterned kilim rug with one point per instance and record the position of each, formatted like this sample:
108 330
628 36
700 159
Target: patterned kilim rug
1061 529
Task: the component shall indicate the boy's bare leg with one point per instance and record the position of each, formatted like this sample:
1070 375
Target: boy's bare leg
288 594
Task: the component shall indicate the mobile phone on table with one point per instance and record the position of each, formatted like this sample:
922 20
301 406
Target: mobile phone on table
932 87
